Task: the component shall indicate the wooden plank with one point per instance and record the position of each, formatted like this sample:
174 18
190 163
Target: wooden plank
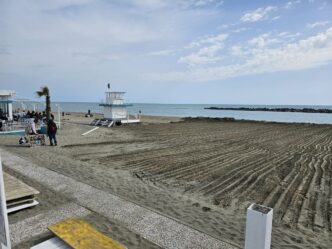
16 189
81 235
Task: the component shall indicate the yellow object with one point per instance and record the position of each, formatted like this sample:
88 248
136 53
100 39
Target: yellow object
81 235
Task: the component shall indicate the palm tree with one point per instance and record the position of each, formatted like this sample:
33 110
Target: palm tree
44 91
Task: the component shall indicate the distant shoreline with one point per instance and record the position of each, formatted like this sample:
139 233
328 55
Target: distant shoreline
264 109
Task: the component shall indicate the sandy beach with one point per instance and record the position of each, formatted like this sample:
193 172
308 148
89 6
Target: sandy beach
201 172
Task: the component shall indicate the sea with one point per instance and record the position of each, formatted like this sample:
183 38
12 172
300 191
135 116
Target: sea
197 110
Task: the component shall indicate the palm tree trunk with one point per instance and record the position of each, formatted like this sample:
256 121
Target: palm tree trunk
48 108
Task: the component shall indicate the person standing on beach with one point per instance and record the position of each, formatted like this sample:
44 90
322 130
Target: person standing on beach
51 131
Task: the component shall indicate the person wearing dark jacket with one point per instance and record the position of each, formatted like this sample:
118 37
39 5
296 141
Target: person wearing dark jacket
51 132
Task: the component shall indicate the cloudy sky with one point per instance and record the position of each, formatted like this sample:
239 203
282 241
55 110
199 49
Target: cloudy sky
162 51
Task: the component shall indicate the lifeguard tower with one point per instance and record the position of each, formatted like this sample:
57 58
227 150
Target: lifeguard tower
6 104
115 110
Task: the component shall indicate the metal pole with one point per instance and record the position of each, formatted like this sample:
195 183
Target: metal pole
59 116
4 229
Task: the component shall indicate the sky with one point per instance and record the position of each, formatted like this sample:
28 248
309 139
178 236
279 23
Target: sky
162 51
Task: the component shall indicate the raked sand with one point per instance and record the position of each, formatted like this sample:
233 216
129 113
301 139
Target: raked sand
200 173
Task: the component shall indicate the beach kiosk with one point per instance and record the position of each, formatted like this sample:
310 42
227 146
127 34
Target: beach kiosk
6 104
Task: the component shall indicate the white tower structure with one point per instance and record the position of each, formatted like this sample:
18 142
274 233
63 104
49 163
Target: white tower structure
6 103
115 108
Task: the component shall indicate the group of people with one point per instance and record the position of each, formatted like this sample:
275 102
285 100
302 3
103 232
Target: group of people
36 115
51 129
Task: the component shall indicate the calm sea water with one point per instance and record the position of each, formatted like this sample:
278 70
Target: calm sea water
197 110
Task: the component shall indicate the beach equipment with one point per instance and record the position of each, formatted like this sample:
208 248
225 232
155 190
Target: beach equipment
258 227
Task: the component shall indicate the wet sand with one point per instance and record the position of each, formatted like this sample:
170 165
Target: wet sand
204 173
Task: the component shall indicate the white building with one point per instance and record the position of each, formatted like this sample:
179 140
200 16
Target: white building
115 108
6 103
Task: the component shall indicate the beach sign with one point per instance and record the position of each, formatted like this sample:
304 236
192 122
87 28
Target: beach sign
4 228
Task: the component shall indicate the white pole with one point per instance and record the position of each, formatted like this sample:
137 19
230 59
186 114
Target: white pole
4 228
10 111
258 227
59 116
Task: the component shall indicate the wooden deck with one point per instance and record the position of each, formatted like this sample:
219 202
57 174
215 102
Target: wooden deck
18 194
17 190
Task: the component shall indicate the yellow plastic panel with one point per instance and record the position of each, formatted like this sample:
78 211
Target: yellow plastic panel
81 235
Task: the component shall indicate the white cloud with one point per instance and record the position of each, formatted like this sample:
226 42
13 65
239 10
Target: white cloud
208 48
162 52
237 51
201 3
317 24
291 4
159 4
323 6
289 35
263 40
204 56
258 14
208 40
307 53
239 30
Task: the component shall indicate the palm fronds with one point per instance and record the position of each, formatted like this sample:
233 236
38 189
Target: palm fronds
44 91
